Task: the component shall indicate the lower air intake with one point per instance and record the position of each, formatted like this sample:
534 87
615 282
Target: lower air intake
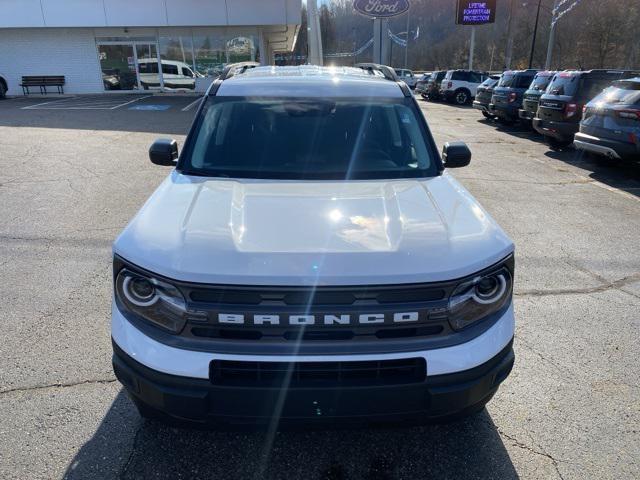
301 374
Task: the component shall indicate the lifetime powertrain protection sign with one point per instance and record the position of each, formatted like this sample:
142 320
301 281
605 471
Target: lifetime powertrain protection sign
476 13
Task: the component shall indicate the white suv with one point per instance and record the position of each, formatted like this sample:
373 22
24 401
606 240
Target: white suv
460 86
310 259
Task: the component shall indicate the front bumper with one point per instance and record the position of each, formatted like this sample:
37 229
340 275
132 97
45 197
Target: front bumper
201 401
609 148
526 114
483 107
178 383
558 130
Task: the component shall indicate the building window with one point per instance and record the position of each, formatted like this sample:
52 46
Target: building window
176 53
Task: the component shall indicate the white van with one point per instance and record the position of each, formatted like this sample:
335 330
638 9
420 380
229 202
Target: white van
175 74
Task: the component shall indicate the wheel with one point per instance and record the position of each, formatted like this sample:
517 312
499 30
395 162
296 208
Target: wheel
3 90
424 95
556 144
487 115
461 97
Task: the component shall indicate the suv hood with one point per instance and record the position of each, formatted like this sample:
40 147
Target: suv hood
266 232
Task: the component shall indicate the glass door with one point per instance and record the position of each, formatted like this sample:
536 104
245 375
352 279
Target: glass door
147 58
118 65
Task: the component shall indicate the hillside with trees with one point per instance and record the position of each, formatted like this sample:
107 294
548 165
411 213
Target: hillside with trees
595 34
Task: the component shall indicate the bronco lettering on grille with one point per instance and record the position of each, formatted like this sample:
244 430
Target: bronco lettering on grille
343 319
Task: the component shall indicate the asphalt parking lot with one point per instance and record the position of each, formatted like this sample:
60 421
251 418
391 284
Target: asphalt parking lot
72 176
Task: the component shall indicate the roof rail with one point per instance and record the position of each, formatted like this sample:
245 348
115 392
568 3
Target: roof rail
236 68
228 72
388 72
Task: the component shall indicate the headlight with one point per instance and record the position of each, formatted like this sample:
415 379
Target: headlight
478 298
153 300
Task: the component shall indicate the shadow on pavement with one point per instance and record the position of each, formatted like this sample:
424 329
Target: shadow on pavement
126 447
615 173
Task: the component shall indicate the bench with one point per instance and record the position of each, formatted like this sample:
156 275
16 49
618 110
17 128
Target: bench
42 81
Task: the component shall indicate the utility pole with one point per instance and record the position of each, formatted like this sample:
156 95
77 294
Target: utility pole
552 35
472 47
509 52
314 35
535 33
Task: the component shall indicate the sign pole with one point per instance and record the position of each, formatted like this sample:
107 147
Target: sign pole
472 47
377 40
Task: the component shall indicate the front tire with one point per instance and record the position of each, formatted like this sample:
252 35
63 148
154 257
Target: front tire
461 97
487 115
3 90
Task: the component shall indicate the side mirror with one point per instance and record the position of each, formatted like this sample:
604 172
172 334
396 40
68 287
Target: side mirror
456 155
164 151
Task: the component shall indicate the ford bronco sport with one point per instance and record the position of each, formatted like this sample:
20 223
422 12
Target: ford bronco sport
310 258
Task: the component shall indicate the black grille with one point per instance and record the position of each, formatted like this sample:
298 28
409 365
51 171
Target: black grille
318 296
301 374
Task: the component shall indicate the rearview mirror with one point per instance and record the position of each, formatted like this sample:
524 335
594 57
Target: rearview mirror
164 151
456 155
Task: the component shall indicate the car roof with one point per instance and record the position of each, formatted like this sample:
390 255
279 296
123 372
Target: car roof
309 81
632 80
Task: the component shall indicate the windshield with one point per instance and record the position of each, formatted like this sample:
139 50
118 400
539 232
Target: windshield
563 84
489 82
507 79
515 80
627 93
540 83
297 138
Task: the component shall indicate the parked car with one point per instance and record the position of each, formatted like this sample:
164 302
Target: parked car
432 88
4 86
610 123
407 76
560 109
484 93
174 74
508 94
421 83
460 86
296 251
532 96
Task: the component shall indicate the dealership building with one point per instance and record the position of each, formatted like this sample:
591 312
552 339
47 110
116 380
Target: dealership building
132 45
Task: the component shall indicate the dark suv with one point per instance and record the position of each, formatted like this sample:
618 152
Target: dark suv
531 97
432 88
560 108
484 93
508 94
611 122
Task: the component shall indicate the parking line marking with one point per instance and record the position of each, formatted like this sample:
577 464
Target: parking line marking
47 103
191 105
134 100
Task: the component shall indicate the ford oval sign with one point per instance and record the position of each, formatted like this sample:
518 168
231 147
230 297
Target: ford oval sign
381 8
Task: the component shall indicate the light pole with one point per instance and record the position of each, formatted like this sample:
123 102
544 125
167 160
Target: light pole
509 52
535 33
552 35
406 48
